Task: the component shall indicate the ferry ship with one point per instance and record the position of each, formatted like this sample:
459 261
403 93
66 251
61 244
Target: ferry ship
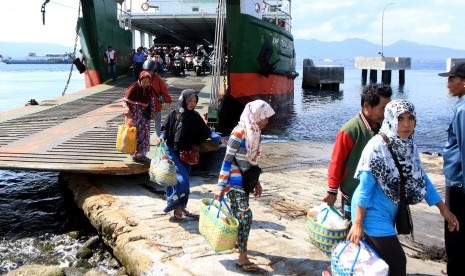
33 58
254 36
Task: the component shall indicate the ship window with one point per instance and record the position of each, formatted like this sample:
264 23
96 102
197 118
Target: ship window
195 9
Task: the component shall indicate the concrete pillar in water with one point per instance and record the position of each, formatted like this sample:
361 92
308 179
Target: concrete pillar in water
386 76
402 77
364 76
373 76
386 64
330 86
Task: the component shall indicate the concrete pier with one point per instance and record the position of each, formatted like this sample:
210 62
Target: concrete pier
386 65
321 77
127 212
451 61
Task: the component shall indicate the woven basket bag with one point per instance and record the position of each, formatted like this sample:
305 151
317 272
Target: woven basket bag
162 170
221 233
324 237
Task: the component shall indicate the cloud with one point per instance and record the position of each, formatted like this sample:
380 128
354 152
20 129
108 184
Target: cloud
427 22
60 22
331 5
445 28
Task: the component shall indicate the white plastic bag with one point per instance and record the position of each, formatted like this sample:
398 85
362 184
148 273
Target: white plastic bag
349 258
329 217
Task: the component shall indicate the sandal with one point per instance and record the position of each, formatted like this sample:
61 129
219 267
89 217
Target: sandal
248 267
177 217
141 159
186 214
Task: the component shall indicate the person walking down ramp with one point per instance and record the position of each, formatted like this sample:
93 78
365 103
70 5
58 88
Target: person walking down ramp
138 108
376 200
110 58
161 94
243 151
183 128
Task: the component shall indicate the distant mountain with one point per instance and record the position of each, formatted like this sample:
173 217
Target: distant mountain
19 50
314 49
350 48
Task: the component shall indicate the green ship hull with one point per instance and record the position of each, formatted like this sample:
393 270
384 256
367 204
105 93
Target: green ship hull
260 54
261 65
98 28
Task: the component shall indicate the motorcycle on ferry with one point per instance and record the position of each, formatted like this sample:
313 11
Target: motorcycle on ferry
201 65
188 62
178 66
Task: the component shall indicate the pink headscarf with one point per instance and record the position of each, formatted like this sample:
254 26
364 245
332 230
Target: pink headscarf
254 112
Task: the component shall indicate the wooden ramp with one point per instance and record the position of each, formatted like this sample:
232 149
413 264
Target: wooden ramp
73 133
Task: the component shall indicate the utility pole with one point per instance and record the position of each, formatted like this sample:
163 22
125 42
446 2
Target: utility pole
382 29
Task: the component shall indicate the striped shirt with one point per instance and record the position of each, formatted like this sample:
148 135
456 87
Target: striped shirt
230 174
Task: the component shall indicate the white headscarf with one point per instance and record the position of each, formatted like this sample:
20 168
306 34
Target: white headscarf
254 112
377 159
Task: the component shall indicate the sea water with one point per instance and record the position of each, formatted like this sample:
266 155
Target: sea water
316 116
33 216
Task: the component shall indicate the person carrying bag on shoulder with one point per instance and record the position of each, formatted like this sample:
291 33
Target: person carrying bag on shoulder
240 163
183 128
384 185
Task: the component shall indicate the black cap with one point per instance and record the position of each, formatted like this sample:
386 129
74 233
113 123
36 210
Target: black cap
456 70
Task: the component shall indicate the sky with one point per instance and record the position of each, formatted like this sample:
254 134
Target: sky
431 22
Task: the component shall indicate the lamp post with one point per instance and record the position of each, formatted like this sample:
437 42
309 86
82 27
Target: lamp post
382 29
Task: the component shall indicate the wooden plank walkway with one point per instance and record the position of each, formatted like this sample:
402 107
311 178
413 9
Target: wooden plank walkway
76 132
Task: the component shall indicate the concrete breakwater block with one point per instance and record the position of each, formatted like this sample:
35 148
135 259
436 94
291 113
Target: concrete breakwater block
326 77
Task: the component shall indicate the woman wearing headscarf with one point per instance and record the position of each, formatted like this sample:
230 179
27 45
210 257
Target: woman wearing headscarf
376 200
138 108
244 145
182 129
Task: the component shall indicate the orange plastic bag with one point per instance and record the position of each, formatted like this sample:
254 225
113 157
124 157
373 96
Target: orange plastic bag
126 139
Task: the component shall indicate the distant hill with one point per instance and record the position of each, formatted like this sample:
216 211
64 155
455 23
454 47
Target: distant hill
350 48
314 49
19 50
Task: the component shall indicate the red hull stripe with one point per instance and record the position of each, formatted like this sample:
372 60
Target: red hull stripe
92 78
249 84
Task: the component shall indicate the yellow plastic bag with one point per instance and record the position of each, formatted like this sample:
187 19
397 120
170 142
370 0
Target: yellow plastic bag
126 139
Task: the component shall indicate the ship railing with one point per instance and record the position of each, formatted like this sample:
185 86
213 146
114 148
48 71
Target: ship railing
169 7
124 16
278 12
